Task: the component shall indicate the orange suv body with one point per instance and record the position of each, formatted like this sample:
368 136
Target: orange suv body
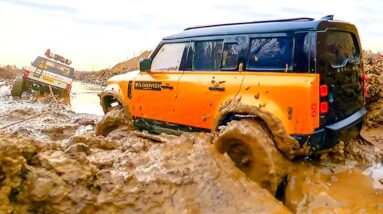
307 73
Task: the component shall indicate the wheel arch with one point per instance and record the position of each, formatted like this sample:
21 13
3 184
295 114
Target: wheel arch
235 110
111 95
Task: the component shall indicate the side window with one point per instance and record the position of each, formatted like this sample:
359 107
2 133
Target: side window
230 56
206 56
270 54
304 52
169 57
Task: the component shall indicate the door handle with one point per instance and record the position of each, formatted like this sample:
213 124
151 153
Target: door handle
167 87
216 88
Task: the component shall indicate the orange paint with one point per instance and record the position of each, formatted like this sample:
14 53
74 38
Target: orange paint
194 97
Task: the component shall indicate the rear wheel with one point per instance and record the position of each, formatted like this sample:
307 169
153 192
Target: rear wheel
18 87
250 146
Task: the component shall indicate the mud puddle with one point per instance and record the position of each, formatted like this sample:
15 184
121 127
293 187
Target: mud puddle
335 188
84 99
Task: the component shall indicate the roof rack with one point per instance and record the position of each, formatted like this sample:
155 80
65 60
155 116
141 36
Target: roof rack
253 22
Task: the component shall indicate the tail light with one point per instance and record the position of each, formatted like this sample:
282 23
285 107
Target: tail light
25 73
323 107
68 87
323 90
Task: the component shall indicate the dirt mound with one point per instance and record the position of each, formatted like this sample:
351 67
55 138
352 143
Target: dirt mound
133 175
9 72
100 77
374 97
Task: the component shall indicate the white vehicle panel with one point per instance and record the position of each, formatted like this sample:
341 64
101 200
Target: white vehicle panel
49 78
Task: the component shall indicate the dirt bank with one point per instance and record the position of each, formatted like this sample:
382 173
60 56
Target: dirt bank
9 72
100 77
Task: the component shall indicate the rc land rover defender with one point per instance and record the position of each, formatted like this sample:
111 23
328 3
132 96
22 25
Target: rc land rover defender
269 91
45 74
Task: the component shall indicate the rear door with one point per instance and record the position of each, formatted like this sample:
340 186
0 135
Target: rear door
210 76
340 68
153 92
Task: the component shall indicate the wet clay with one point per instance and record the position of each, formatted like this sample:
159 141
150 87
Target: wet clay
89 175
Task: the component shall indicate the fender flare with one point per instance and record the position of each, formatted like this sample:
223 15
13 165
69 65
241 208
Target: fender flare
283 141
111 92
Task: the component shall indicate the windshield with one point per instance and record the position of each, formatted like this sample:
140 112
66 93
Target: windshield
169 57
54 67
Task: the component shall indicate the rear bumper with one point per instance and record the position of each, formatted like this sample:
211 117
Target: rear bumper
328 136
43 84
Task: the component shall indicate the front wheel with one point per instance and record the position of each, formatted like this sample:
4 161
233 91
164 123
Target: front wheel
18 87
250 146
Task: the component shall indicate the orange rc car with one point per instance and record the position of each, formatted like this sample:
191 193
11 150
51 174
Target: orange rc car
268 90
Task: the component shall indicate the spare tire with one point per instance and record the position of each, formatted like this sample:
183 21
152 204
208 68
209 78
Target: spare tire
18 87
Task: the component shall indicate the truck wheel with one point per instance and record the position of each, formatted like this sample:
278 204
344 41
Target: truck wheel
113 119
250 146
18 87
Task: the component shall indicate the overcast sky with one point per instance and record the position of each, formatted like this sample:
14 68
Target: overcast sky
99 34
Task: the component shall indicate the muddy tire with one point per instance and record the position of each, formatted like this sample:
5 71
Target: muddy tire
112 120
250 146
18 87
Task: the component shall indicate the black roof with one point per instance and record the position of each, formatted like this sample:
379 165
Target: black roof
273 26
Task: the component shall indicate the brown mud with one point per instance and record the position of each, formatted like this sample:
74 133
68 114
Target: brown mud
91 174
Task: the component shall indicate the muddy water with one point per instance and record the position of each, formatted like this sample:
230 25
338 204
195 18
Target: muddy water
84 98
335 188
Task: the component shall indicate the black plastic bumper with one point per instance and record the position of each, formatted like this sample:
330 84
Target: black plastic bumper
328 136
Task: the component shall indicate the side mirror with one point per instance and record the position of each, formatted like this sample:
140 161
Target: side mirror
145 64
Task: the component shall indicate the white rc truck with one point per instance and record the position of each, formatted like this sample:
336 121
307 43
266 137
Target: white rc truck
50 73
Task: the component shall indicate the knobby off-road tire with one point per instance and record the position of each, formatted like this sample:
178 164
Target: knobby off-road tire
250 146
112 120
18 87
